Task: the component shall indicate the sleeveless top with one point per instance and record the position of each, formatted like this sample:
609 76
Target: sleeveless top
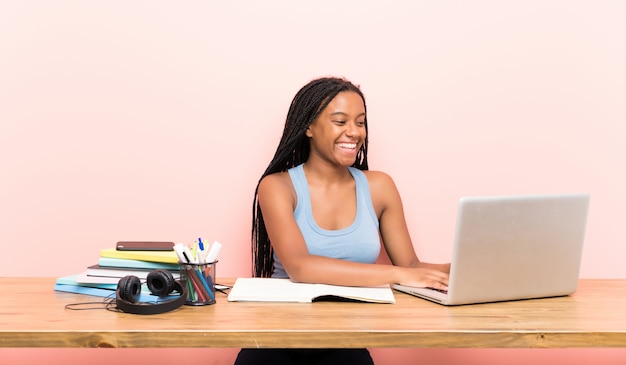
359 242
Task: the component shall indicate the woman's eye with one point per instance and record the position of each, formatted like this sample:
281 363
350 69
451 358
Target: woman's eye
340 122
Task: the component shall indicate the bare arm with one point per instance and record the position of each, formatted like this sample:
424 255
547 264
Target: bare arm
396 238
277 200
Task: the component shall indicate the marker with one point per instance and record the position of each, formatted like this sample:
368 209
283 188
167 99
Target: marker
190 258
195 282
213 252
179 248
187 259
205 284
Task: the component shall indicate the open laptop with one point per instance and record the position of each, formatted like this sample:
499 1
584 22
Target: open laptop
513 247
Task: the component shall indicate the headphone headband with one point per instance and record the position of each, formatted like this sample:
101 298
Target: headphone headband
160 282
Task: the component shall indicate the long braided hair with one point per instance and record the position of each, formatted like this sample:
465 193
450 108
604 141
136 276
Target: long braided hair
293 150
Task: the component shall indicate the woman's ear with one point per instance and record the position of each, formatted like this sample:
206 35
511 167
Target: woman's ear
308 132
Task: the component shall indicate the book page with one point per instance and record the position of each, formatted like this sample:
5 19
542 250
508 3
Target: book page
270 290
378 294
284 290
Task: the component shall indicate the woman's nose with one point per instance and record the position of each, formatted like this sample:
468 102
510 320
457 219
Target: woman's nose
351 129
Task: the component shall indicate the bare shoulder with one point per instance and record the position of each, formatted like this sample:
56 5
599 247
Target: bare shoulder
379 181
276 185
383 191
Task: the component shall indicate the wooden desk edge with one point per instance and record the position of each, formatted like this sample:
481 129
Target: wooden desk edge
262 339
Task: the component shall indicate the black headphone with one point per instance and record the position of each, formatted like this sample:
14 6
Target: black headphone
160 282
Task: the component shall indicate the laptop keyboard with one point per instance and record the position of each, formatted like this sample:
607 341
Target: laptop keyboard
439 290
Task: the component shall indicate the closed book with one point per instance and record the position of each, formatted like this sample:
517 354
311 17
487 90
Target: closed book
86 280
152 256
79 289
285 290
71 280
135 264
113 277
117 272
144 295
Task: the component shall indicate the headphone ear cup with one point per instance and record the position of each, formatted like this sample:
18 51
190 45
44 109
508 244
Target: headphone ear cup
160 282
129 288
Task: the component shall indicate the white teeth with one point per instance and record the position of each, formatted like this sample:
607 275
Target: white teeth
347 145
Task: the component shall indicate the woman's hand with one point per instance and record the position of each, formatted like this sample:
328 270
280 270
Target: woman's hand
427 276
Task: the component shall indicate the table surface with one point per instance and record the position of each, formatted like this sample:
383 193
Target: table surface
32 314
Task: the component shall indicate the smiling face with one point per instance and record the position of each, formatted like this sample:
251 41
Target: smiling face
338 133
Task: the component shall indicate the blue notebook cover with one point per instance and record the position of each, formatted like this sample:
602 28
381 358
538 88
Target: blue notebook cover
145 296
79 289
71 280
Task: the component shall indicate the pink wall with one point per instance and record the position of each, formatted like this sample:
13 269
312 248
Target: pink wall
152 120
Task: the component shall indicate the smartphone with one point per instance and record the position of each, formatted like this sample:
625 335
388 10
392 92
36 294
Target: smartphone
144 246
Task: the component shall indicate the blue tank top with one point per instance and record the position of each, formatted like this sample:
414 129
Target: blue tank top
359 242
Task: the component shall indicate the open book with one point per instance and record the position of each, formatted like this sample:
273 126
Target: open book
285 290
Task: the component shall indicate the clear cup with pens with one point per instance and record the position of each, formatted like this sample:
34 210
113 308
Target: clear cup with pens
200 282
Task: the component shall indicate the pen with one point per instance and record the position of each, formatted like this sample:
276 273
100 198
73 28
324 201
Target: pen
206 284
200 244
203 272
198 288
192 291
195 253
203 251
211 285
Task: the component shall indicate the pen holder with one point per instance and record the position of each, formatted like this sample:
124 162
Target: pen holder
200 282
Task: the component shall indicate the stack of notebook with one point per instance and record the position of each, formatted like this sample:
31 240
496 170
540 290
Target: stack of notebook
113 264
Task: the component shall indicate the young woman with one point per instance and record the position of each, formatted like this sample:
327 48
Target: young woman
320 216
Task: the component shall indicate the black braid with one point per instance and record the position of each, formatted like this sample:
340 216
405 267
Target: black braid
293 150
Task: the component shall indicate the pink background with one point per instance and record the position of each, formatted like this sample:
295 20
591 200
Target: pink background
135 120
